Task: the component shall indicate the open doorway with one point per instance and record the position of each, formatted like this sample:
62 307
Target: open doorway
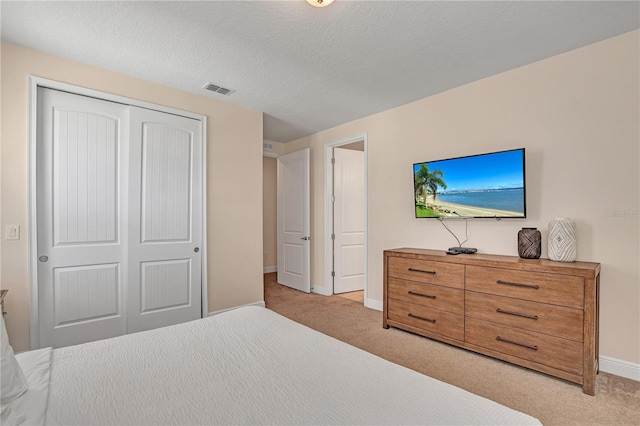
346 218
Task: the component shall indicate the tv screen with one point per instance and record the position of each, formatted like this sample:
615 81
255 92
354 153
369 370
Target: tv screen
479 186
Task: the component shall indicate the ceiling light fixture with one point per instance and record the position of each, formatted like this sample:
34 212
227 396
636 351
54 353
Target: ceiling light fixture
319 3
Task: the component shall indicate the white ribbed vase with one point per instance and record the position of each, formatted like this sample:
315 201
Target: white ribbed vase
562 240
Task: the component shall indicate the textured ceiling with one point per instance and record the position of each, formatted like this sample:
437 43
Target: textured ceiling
309 69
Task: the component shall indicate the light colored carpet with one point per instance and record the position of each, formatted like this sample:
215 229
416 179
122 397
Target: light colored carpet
356 296
551 400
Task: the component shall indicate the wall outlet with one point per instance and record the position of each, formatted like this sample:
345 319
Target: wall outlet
12 232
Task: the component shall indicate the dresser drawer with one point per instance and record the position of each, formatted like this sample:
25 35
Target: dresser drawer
427 295
554 352
557 321
447 274
440 322
536 286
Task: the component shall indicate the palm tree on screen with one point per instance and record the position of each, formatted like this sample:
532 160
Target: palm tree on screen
419 182
434 181
427 181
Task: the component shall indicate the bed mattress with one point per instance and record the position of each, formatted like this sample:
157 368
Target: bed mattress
249 366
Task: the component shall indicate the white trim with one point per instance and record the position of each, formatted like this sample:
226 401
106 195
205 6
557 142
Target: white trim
34 331
261 304
203 260
268 269
34 83
270 154
619 367
373 304
328 182
79 90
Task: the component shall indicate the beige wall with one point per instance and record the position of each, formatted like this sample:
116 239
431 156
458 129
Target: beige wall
577 115
277 148
234 167
269 211
356 146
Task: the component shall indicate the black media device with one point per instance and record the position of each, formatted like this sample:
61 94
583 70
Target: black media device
461 250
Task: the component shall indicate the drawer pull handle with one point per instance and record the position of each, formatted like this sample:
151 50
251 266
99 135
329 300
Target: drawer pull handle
524 345
423 271
414 293
518 284
422 318
517 314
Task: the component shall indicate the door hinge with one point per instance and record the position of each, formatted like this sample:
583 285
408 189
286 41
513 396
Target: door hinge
333 161
333 198
333 236
333 274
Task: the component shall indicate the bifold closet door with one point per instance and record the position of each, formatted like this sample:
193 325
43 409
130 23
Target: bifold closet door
119 213
81 190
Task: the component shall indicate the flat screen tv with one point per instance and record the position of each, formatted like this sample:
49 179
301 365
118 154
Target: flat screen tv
488 185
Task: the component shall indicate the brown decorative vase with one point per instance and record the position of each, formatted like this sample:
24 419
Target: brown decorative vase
529 243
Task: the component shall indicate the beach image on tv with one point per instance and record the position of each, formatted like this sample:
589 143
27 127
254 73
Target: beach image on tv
488 185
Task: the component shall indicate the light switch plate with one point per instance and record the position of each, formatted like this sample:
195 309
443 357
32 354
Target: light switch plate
12 232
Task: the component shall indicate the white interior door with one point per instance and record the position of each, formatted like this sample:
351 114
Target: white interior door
81 188
348 220
165 216
119 218
294 239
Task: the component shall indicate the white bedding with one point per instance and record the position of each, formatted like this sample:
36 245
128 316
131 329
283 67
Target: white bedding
250 366
30 408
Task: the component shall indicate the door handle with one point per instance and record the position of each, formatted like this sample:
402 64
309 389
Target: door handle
197 249
43 259
306 238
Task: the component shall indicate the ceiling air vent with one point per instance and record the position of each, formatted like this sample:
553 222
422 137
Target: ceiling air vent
218 89
267 146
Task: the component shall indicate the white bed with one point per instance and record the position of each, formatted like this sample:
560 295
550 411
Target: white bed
246 366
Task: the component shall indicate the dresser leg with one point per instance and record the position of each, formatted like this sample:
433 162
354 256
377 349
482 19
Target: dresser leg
589 386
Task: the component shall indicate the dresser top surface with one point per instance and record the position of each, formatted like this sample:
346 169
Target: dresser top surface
585 269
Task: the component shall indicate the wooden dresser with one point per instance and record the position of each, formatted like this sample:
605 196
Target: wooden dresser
537 313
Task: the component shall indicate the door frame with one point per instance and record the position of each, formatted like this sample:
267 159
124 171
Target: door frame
34 83
328 216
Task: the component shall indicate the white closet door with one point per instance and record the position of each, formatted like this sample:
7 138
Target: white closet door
81 189
119 218
165 216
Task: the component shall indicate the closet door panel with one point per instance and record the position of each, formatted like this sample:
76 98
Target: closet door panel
85 177
80 194
165 220
166 183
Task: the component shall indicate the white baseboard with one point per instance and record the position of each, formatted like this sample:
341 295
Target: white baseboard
261 303
620 368
323 290
373 304
268 269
